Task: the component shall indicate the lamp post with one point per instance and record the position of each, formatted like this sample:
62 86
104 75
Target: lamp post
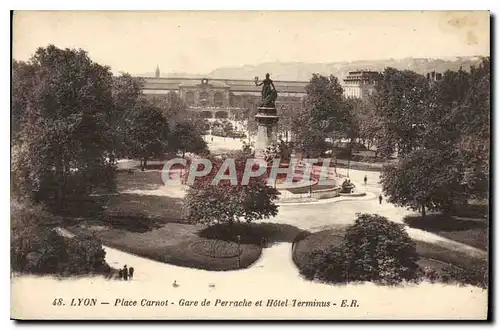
239 250
349 159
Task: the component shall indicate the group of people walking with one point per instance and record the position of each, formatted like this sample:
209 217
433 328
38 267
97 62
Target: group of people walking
126 273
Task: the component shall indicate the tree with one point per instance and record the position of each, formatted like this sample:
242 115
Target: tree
126 92
147 132
325 102
171 105
187 139
474 144
401 100
22 83
286 115
324 115
351 124
65 133
249 108
185 127
449 162
425 179
367 125
226 203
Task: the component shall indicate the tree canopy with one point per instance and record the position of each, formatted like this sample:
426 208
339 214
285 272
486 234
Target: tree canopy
445 156
323 115
225 202
63 109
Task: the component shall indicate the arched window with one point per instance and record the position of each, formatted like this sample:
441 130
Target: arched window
190 98
204 99
218 99
235 100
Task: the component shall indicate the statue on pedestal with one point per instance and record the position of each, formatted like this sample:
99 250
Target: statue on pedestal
269 93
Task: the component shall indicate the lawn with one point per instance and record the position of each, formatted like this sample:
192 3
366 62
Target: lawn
153 227
178 244
213 248
138 180
162 209
322 240
470 231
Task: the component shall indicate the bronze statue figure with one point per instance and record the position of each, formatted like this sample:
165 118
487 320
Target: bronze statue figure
269 93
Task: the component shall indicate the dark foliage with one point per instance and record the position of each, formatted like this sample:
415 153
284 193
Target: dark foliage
60 95
36 247
229 200
441 222
373 249
476 274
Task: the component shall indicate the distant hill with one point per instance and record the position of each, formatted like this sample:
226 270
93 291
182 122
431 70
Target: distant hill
303 71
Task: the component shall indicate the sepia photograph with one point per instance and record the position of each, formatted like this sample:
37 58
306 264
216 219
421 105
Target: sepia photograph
250 165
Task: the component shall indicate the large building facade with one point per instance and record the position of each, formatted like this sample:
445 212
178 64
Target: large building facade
227 98
360 84
222 98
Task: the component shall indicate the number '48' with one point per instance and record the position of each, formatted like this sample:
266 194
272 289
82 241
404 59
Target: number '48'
57 302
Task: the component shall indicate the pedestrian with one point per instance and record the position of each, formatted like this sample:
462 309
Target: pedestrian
365 179
380 199
120 274
131 272
125 273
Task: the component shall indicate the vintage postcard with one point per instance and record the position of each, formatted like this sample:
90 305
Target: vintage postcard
250 165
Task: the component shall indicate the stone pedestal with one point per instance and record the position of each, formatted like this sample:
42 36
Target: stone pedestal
267 121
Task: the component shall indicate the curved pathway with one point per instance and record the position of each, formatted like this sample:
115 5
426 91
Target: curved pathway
328 213
315 216
273 276
274 265
324 214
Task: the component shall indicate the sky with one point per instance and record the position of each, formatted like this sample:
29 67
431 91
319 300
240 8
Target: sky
199 42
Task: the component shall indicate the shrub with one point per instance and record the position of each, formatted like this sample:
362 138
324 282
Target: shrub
326 266
37 248
60 255
474 275
373 249
28 227
430 274
379 250
85 255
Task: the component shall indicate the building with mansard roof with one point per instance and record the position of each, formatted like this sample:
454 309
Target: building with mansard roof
360 84
223 98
